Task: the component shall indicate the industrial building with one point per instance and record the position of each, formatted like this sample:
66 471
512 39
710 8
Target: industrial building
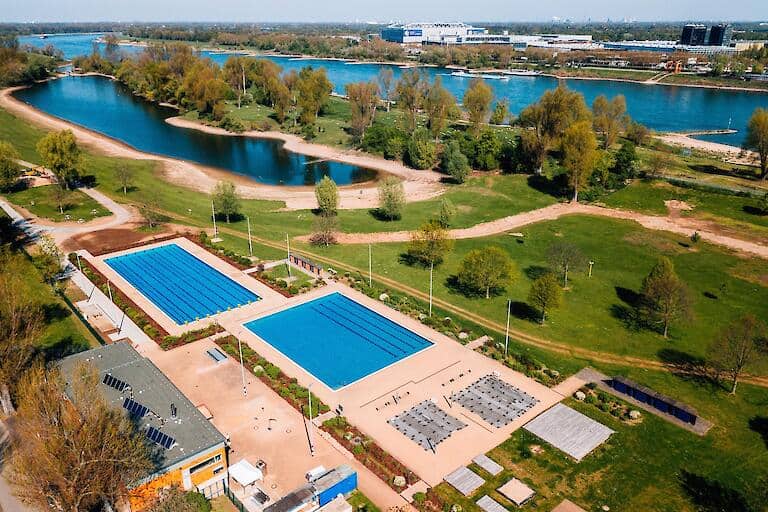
189 451
696 34
430 33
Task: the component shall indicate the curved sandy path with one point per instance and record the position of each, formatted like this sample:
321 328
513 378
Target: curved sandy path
419 185
679 225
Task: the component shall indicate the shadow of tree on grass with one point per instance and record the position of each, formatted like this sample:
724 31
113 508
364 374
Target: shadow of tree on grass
712 496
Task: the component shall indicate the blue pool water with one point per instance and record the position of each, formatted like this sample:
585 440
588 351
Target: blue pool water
336 339
184 287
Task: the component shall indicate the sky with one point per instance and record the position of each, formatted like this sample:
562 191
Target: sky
380 11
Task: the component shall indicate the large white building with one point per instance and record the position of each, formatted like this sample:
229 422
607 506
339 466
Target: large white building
430 33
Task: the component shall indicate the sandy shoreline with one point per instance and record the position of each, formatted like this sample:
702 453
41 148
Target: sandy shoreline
731 154
419 185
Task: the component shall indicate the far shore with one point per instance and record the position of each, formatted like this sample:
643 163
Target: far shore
419 185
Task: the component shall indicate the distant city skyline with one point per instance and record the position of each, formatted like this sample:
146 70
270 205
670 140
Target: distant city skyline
381 12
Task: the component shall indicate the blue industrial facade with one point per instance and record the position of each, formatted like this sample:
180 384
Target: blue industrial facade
656 400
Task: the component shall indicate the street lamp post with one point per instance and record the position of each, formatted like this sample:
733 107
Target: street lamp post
506 331
242 365
311 437
213 212
370 267
288 246
431 270
591 264
250 242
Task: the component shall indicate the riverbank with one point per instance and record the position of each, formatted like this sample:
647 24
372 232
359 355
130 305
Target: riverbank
731 154
419 185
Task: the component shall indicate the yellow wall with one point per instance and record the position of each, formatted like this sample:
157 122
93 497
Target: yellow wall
145 494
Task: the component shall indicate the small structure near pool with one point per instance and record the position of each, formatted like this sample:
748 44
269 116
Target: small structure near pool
465 480
517 492
656 400
569 431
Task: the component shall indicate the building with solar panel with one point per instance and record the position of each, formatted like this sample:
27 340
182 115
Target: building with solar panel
190 451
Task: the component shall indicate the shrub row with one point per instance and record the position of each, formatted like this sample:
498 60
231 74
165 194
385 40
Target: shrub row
170 342
370 454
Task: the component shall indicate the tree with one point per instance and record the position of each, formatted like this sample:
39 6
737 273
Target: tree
757 138
226 200
314 89
624 164
658 163
486 270
327 194
385 79
59 153
500 112
124 176
477 102
149 209
455 163
548 119
545 294
564 257
324 231
10 170
429 244
447 212
21 323
76 454
363 98
48 260
609 117
487 150
409 92
737 346
579 155
664 297
59 194
637 133
391 198
440 106
421 151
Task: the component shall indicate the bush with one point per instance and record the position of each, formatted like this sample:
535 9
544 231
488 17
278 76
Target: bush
387 140
232 124
487 151
455 163
421 150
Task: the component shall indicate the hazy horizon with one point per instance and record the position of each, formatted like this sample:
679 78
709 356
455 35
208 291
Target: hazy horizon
345 11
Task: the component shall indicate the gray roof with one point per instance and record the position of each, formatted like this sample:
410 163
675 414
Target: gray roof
488 464
148 386
465 480
569 431
488 504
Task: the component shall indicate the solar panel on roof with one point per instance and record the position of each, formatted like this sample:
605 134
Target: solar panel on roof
160 438
135 408
114 382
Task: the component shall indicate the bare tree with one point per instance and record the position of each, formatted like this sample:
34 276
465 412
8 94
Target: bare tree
325 229
564 257
124 177
737 346
72 451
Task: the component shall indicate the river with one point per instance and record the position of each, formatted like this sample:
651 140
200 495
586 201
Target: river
660 107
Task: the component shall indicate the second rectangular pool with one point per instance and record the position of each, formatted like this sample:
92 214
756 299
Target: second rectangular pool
336 339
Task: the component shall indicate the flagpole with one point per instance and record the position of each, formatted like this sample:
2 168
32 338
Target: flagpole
288 245
431 269
370 267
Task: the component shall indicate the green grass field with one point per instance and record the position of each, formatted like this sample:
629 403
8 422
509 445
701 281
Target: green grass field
738 213
594 309
42 202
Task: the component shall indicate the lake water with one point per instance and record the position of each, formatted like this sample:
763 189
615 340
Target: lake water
108 107
662 108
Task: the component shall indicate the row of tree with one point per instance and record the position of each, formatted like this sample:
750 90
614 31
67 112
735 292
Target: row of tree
21 65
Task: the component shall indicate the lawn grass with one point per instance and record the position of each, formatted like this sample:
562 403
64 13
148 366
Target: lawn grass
42 202
361 503
742 214
297 278
592 315
642 466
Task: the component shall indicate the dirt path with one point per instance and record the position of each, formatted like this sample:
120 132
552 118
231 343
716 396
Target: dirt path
680 225
419 185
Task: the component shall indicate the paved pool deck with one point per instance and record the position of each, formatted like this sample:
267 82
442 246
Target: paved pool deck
432 374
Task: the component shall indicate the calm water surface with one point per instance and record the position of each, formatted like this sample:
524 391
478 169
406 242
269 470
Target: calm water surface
109 108
662 108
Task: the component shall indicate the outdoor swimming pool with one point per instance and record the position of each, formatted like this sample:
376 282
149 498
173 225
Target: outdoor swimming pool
184 287
336 339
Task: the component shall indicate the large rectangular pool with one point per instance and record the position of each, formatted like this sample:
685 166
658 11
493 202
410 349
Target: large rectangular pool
336 339
183 286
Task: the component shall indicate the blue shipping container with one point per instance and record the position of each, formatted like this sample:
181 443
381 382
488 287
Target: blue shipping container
343 487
